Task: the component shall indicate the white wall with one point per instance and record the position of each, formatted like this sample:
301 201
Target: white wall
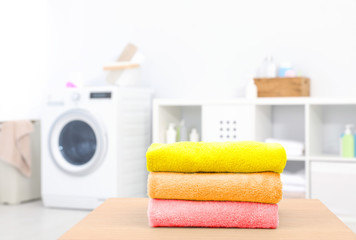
193 48
22 58
207 48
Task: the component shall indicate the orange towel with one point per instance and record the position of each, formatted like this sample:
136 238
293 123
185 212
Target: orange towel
263 187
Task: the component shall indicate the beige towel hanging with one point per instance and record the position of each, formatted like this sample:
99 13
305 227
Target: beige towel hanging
15 145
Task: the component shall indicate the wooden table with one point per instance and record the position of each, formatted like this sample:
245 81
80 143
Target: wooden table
127 219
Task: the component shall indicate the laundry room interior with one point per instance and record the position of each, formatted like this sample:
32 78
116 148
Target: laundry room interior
87 86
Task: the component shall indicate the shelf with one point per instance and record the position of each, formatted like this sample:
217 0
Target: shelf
317 122
296 158
257 101
331 158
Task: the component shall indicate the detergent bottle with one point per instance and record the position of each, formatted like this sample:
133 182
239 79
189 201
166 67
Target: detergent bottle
347 142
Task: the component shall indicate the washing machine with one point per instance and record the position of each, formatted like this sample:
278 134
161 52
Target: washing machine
93 145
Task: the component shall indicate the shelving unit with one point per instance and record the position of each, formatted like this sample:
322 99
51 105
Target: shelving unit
317 122
296 158
332 158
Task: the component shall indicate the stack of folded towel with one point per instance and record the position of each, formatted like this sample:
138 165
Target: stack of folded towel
226 184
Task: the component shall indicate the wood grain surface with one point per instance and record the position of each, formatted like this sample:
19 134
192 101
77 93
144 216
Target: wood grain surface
283 87
127 219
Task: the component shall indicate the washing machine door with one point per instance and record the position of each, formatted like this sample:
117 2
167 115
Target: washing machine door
77 142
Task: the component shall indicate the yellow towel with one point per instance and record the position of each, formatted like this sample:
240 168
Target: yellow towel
245 187
246 156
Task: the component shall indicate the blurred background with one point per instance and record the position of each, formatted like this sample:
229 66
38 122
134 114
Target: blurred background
188 45
93 83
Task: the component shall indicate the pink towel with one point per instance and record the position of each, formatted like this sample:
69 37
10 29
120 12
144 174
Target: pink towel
15 145
182 213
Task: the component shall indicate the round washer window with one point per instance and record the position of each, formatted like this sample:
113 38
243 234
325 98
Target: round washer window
77 142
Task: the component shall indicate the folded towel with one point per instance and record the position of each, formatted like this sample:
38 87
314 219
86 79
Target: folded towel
263 187
293 148
296 179
181 213
287 194
293 188
244 156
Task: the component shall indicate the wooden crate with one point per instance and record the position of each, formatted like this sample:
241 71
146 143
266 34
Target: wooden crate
283 87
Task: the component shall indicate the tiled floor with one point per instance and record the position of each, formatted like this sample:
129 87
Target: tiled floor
32 221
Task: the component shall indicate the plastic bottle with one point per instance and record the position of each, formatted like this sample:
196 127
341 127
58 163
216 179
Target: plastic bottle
171 133
271 67
182 132
354 145
268 68
251 89
194 135
347 142
285 69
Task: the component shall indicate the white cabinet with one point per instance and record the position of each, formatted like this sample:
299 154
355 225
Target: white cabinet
165 114
317 122
335 185
227 122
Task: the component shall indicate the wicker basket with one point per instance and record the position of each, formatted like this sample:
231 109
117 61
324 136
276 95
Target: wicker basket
283 87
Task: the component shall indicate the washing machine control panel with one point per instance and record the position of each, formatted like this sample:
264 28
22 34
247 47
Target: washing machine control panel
94 95
75 97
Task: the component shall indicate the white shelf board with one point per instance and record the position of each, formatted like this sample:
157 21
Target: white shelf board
332 101
296 158
331 158
281 101
198 102
257 101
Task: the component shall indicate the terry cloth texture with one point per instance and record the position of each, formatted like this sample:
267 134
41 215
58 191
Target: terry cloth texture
181 213
263 187
245 156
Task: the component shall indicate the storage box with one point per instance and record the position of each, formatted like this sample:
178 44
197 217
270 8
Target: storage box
283 87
